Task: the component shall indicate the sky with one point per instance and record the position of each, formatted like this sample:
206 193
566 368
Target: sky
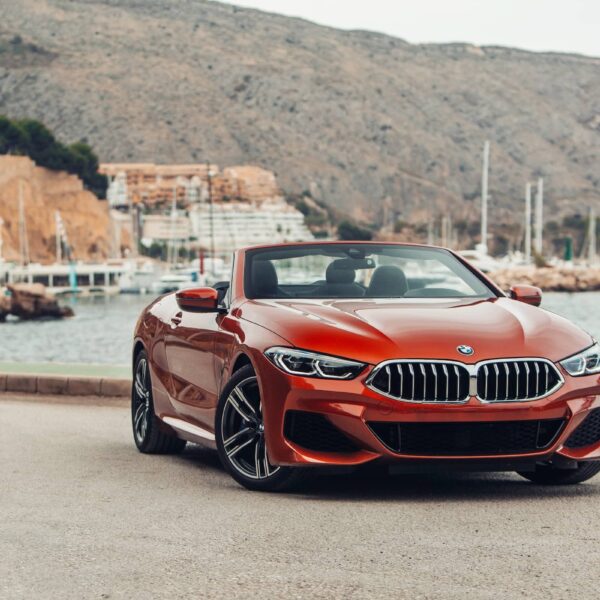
539 25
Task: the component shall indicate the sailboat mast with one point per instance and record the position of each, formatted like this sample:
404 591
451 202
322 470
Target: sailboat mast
592 237
23 241
430 234
539 217
211 217
484 196
528 223
1 240
58 225
171 254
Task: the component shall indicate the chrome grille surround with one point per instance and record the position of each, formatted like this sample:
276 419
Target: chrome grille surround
413 379
493 381
516 380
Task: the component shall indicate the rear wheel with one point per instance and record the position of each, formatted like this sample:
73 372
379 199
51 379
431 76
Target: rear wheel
147 434
240 435
550 475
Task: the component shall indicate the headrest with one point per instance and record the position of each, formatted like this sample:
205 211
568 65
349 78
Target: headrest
336 274
264 278
387 282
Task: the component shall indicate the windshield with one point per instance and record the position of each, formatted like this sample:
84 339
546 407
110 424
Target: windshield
359 271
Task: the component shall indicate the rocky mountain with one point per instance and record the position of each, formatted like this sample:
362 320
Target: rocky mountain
353 117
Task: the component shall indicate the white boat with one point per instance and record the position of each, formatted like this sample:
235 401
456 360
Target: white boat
140 277
180 279
481 260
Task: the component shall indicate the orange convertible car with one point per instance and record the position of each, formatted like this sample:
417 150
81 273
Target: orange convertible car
345 353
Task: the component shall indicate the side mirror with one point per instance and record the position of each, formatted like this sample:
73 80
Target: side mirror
198 300
527 294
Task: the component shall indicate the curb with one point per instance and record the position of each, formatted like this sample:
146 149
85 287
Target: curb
65 385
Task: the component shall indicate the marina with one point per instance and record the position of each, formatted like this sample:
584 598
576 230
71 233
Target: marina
177 226
163 227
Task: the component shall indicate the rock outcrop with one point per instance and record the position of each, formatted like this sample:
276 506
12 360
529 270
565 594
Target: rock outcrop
31 301
86 219
550 279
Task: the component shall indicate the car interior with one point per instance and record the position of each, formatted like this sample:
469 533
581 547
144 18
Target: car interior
351 272
387 281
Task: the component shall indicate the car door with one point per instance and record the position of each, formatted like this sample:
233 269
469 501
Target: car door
190 346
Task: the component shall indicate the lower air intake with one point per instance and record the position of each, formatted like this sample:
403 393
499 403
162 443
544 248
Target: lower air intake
314 431
587 433
467 439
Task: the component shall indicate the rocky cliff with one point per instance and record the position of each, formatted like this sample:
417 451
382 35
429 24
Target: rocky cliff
354 117
85 218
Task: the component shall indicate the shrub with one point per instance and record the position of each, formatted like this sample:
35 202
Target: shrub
31 138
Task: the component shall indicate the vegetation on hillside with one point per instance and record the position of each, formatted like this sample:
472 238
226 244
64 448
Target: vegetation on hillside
575 227
319 216
28 137
17 53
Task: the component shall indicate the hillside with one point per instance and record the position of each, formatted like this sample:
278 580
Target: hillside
354 117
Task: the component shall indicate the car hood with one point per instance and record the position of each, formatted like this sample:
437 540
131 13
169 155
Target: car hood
374 330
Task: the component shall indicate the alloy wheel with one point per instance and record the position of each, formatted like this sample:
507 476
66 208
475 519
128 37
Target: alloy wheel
243 431
141 401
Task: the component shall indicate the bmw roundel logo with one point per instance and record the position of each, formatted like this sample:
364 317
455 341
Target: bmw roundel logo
466 350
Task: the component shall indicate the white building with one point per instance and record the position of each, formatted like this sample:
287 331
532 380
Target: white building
238 224
163 228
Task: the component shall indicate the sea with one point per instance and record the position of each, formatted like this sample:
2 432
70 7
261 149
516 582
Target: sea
102 329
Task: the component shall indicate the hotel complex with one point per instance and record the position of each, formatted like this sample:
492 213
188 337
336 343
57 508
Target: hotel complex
204 206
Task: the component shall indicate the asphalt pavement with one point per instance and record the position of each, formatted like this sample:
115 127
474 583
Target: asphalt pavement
84 515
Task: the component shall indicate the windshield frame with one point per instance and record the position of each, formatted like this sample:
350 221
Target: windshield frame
304 249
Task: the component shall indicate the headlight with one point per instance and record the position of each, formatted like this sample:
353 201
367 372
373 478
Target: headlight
310 364
584 363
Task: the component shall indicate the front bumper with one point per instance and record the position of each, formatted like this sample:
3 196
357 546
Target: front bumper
352 408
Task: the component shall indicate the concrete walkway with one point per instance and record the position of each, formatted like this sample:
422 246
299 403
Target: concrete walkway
85 516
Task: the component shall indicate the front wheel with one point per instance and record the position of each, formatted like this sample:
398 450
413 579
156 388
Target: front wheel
550 475
240 436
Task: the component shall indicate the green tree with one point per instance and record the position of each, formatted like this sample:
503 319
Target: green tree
88 164
31 138
12 138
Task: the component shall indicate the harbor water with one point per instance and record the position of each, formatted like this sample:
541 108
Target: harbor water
102 329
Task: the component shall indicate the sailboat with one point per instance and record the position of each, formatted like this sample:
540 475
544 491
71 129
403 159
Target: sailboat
592 240
176 278
479 257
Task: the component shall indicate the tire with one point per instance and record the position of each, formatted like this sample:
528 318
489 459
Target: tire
239 433
549 475
147 433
